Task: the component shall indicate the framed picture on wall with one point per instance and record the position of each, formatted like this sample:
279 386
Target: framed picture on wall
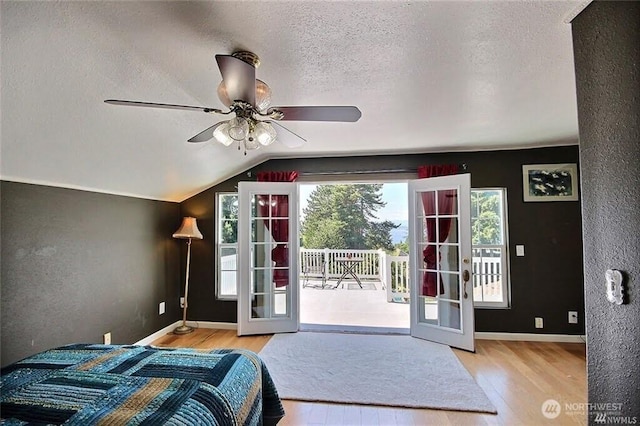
550 182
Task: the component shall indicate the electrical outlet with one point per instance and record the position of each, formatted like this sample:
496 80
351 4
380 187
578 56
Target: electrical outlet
573 317
161 308
182 302
106 339
539 322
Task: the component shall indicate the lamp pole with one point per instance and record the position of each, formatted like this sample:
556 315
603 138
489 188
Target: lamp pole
184 328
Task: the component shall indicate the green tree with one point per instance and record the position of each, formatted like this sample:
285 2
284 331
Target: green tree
485 217
344 216
229 214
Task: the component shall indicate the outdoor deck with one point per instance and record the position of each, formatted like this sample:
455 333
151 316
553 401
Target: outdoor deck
351 306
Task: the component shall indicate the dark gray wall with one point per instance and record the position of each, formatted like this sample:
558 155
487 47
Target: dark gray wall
78 264
606 39
547 282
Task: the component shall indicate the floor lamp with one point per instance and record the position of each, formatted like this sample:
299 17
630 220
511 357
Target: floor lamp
188 230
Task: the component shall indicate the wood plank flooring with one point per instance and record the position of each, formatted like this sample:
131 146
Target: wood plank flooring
516 376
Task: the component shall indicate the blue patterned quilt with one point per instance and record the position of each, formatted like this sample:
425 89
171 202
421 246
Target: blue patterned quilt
87 384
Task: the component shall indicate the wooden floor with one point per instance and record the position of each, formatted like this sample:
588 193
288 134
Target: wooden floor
516 376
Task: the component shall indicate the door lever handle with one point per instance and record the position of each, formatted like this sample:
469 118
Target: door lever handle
465 278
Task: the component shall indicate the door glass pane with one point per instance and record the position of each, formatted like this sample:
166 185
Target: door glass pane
428 201
280 304
259 306
448 202
261 256
450 314
451 284
448 230
280 206
260 280
448 258
279 230
428 310
430 230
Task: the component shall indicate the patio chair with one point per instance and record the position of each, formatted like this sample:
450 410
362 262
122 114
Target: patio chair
314 267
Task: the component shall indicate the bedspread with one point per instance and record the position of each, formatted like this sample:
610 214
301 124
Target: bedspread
86 384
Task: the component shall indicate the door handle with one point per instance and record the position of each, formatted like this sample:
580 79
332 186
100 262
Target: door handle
465 279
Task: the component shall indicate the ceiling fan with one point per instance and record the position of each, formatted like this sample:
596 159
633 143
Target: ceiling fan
248 99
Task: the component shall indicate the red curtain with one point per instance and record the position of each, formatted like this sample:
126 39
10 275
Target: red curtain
279 228
446 204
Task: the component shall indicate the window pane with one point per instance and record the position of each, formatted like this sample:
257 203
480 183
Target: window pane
228 206
228 285
227 245
486 217
228 231
488 221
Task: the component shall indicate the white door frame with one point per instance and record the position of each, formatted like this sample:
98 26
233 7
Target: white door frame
432 329
272 322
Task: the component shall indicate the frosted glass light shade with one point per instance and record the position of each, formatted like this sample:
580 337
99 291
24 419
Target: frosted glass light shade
251 143
221 134
265 133
238 128
188 229
263 95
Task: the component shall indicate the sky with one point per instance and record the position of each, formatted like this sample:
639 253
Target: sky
394 194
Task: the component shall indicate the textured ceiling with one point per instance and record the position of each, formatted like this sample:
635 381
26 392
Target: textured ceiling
427 76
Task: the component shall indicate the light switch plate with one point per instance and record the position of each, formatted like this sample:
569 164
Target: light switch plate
520 250
615 286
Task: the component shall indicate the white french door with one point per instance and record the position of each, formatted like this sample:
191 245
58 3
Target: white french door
440 260
268 298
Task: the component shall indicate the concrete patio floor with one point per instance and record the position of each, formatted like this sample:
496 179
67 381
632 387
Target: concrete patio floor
351 306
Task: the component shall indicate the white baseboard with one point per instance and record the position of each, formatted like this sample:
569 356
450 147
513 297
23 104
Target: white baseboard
531 337
196 324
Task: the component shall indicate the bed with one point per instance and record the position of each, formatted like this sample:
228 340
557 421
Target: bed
86 384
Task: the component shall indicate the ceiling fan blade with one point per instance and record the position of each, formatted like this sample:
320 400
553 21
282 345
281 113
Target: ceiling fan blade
239 78
155 105
206 134
320 113
286 136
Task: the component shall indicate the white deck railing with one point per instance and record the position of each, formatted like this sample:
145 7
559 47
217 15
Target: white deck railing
391 271
369 268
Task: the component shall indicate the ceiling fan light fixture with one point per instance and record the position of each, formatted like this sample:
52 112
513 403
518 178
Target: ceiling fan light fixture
221 134
264 133
238 128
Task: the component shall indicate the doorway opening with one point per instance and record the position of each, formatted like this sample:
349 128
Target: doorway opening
354 257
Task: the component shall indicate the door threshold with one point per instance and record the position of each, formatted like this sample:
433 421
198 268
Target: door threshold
352 329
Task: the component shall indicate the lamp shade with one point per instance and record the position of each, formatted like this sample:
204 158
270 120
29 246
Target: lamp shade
188 229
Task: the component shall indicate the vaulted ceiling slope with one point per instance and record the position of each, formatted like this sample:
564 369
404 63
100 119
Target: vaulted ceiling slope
427 76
